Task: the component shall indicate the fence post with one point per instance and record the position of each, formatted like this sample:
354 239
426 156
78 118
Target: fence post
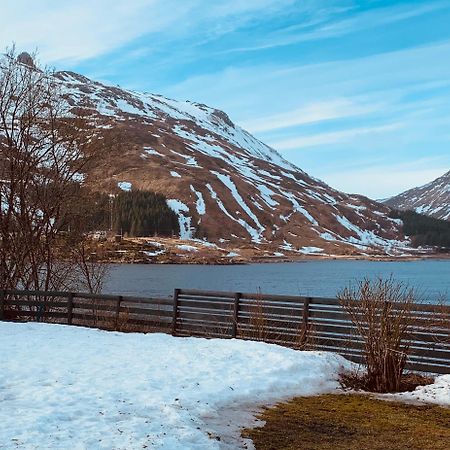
2 304
176 293
119 301
69 308
304 334
237 298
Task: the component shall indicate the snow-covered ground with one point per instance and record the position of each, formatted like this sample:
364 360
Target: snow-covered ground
75 388
67 387
437 393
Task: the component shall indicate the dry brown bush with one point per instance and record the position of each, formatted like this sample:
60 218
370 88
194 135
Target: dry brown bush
382 312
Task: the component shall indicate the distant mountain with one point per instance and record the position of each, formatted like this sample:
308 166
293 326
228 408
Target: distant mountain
223 183
432 199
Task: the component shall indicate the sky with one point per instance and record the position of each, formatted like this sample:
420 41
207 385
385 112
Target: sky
356 93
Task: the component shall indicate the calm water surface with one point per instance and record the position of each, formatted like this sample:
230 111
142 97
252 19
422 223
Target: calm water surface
313 278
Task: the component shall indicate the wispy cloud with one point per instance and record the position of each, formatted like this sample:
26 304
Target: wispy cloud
74 30
333 25
311 113
282 88
332 138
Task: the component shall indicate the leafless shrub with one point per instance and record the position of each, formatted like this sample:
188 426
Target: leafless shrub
382 312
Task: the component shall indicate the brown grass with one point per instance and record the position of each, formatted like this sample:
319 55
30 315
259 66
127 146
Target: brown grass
346 422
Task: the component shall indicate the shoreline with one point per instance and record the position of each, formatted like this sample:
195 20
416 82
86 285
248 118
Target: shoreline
195 252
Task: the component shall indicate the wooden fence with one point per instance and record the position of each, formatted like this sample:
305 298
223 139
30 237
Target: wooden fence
111 312
300 322
306 323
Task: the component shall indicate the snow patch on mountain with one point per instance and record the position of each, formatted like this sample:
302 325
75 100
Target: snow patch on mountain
227 181
184 220
200 203
125 186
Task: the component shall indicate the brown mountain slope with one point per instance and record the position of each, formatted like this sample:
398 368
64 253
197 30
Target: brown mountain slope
223 183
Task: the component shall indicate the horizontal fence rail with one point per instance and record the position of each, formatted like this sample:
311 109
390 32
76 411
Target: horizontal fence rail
110 312
309 323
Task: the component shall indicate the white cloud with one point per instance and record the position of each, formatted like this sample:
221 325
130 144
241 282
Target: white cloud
310 113
332 138
73 30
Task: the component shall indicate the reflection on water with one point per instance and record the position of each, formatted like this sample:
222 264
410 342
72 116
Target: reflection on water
315 278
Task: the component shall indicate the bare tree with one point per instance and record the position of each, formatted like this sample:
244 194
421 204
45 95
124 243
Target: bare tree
44 147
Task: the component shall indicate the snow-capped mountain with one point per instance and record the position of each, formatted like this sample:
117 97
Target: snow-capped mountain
432 199
223 183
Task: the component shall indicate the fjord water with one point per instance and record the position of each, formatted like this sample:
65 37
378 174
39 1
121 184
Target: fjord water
322 278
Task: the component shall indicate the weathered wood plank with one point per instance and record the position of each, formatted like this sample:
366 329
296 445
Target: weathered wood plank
148 301
272 309
92 317
195 292
193 326
50 304
428 368
273 297
205 315
45 314
93 306
203 334
35 293
149 319
204 305
272 322
146 311
200 298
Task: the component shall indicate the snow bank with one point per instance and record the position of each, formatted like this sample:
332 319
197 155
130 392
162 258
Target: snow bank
77 388
438 393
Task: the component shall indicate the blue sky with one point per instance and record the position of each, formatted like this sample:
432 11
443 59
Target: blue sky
356 93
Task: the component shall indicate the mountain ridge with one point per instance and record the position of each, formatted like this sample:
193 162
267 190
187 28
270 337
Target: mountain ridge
432 199
224 184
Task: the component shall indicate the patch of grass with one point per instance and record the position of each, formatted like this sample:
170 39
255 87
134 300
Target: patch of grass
345 422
